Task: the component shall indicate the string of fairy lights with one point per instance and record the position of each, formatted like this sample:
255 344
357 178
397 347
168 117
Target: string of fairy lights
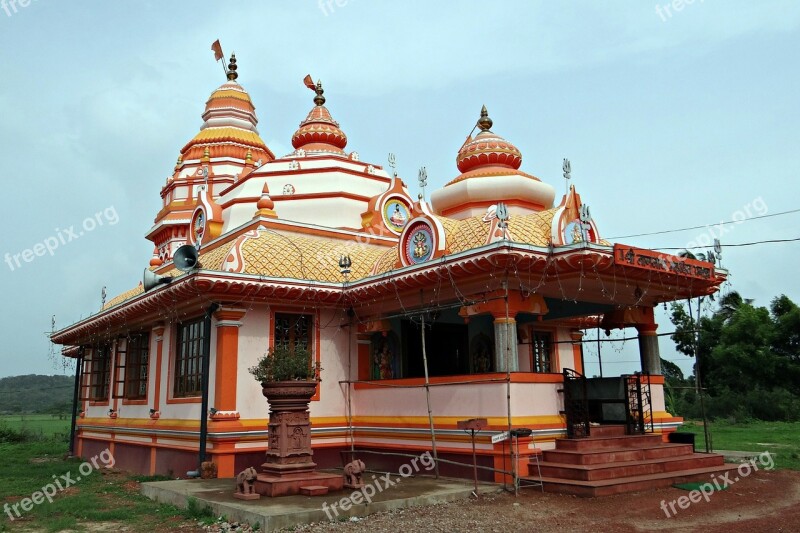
497 278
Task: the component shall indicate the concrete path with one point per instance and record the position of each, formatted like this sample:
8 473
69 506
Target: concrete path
381 493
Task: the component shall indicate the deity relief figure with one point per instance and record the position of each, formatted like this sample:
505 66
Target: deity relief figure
481 354
398 218
297 438
420 245
386 363
384 356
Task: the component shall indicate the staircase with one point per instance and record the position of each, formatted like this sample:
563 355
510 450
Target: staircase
610 462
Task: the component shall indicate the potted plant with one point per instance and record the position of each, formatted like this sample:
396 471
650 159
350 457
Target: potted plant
284 363
285 373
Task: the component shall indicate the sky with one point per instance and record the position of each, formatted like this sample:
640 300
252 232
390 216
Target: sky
671 118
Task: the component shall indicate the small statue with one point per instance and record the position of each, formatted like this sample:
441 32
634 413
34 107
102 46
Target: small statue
352 474
208 470
245 484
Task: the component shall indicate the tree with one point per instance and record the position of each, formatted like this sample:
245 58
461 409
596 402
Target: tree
749 356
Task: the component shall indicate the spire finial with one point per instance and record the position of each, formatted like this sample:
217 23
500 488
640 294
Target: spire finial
232 75
484 123
319 99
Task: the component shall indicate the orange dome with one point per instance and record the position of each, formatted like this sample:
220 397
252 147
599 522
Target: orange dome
487 149
229 125
319 128
319 131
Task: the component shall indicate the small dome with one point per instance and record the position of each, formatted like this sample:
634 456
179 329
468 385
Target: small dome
319 131
487 149
230 106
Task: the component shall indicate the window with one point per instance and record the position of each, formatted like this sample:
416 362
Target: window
541 351
97 368
137 360
294 330
189 359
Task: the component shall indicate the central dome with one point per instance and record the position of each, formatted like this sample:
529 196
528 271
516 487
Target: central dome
487 149
490 174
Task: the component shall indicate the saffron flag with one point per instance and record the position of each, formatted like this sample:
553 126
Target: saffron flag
309 82
217 48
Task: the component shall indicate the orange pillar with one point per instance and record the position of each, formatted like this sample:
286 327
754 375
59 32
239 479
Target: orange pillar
158 332
227 354
225 383
363 340
577 350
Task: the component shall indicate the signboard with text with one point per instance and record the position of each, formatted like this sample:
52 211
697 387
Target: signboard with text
631 256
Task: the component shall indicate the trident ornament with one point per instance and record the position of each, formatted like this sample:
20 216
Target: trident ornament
423 181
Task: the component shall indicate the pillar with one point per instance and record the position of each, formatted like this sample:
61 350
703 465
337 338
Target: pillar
225 384
648 348
577 351
227 359
158 333
505 344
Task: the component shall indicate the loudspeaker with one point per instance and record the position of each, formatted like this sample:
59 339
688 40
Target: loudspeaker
186 258
152 280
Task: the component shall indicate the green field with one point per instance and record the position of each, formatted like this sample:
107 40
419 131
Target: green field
105 498
781 439
44 425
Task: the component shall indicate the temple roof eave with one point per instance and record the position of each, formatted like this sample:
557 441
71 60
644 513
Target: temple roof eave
203 285
189 289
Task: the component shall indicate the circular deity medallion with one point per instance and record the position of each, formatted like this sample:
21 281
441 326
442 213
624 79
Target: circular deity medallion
419 243
395 215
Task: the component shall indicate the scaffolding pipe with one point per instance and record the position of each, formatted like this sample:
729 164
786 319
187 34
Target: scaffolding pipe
508 390
350 430
428 400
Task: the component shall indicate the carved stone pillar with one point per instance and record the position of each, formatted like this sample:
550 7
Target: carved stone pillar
505 345
289 449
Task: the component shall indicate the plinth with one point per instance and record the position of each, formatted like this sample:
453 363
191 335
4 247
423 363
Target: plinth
289 461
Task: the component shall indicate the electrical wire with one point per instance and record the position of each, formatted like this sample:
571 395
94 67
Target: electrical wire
663 232
736 245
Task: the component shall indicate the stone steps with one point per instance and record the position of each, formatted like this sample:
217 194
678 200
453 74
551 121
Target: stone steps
610 462
607 487
615 455
629 468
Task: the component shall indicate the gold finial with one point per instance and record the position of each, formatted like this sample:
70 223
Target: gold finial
232 75
319 99
484 123
249 156
179 162
206 154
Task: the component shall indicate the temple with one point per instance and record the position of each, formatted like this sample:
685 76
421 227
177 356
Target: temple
422 312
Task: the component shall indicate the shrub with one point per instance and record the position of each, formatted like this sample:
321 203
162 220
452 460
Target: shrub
283 363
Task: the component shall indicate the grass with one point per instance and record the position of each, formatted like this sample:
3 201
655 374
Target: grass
781 439
104 495
40 425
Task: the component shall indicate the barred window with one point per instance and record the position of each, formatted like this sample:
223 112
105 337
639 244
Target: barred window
97 370
541 351
137 362
189 359
293 330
